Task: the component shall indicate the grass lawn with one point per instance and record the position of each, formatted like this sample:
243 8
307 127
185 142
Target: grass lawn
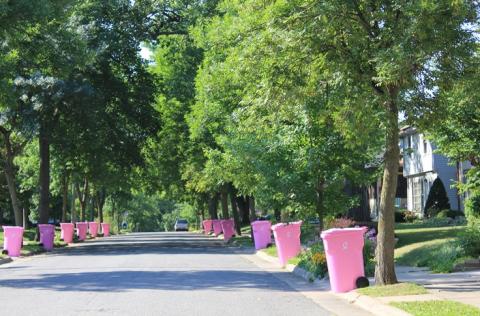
431 247
243 240
437 308
271 251
393 290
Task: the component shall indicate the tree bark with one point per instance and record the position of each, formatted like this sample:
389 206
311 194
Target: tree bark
44 147
251 206
10 177
73 216
65 180
213 206
243 206
82 197
319 192
277 214
224 201
100 201
385 265
233 203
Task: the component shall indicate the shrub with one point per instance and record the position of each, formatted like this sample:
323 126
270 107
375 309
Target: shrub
449 214
399 217
440 222
437 197
409 216
369 256
472 209
469 241
314 260
342 222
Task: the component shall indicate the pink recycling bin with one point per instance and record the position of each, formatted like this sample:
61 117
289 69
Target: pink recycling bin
207 226
105 229
344 252
287 240
228 228
217 227
82 230
12 240
47 235
93 229
262 235
66 232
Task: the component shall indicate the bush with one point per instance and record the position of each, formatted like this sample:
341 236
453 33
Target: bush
409 216
449 214
437 197
369 257
399 217
314 260
440 222
469 241
472 209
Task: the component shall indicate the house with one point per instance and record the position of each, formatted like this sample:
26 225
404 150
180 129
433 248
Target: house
421 166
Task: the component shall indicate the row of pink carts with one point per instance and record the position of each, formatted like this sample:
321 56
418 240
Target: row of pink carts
343 247
287 235
13 235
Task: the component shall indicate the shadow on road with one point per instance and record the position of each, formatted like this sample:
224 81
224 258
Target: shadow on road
121 281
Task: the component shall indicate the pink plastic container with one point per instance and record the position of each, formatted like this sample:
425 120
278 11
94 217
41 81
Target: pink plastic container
82 230
217 226
12 240
47 235
262 234
105 229
344 252
287 240
228 227
93 229
66 232
207 226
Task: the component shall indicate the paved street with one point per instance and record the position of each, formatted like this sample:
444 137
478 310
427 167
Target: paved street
149 274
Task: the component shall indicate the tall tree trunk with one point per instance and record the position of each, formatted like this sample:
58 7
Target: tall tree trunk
319 198
277 214
233 203
10 177
251 205
44 147
385 265
73 216
100 201
83 198
243 205
224 201
25 218
213 206
65 184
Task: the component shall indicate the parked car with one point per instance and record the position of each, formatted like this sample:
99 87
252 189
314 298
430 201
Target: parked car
181 224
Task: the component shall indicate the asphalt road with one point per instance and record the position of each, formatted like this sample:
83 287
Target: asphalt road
147 274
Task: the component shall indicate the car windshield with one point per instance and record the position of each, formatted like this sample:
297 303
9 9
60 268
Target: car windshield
181 221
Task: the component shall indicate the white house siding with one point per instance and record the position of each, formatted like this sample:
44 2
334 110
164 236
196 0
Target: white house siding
421 167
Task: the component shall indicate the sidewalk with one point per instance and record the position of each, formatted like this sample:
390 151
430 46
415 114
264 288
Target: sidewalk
463 287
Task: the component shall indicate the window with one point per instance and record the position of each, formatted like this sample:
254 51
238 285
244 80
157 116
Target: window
425 146
417 194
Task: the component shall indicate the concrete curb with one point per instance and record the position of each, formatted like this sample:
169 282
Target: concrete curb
364 302
372 305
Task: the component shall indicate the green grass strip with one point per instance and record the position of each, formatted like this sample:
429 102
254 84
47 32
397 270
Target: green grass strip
437 308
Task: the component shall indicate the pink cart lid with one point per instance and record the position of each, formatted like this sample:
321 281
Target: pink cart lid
340 232
281 225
